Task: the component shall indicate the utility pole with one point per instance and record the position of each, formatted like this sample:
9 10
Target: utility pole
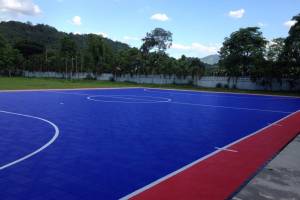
76 69
72 59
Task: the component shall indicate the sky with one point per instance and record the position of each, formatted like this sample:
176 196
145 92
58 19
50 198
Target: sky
198 26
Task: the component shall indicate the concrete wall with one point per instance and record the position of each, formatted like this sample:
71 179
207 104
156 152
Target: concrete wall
84 75
155 79
244 83
206 81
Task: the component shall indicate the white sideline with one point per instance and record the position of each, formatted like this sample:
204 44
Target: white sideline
56 133
69 93
230 150
148 88
230 107
217 95
277 125
216 92
138 191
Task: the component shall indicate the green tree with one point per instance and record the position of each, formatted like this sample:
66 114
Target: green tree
33 52
182 69
158 39
129 61
270 69
291 52
9 58
68 51
96 48
242 51
275 49
108 58
3 43
28 48
196 67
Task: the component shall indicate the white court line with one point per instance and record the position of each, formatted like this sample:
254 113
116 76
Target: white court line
56 133
119 96
223 149
201 93
230 107
69 93
138 191
277 125
129 97
175 102
148 88
215 92
70 89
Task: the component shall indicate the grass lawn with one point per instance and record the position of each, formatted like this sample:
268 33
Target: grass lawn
18 83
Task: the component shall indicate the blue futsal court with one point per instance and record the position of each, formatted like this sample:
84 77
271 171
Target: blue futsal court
107 143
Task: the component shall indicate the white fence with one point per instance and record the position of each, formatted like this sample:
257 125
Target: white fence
83 75
155 79
206 81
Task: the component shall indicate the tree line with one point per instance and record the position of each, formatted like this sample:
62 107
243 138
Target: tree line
93 54
244 53
247 53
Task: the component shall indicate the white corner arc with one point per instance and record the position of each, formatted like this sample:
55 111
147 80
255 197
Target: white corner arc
56 134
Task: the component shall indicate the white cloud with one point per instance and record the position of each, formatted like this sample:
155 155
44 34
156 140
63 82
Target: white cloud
237 13
76 20
19 7
3 19
290 23
197 48
160 17
180 46
209 49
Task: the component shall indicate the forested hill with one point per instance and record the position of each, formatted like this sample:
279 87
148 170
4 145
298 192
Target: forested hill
211 59
46 35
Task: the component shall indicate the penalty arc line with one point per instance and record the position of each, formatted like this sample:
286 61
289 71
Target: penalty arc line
56 134
130 97
90 97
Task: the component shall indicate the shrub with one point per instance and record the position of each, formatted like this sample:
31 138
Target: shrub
219 85
191 82
112 79
90 77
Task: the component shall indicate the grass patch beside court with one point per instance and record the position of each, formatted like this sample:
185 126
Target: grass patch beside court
19 83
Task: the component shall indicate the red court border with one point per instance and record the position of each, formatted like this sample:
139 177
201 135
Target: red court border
220 174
